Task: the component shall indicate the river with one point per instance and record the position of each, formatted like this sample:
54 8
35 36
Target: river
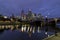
25 33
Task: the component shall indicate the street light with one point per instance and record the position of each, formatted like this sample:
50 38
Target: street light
55 25
48 23
55 20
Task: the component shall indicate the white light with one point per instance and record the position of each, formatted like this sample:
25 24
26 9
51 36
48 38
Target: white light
22 29
46 33
28 29
46 16
31 29
38 29
5 16
34 30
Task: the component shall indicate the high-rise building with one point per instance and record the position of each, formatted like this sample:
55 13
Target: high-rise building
12 17
39 16
34 16
23 15
29 14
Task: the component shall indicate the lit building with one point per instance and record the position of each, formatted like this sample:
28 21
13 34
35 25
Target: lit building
33 16
39 16
29 14
5 17
23 15
12 18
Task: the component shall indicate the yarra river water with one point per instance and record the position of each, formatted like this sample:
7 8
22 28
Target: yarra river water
26 33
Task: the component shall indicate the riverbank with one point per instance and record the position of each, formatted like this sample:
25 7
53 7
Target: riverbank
53 37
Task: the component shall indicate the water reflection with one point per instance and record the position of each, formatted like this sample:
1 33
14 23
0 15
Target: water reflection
24 33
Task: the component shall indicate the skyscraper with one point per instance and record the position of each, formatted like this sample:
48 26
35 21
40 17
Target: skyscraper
23 15
29 14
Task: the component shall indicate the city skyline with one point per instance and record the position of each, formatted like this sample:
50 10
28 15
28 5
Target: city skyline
7 7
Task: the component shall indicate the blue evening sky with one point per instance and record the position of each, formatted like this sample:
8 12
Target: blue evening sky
7 7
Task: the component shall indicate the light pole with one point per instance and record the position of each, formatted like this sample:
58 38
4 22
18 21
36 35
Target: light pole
47 20
55 26
46 25
55 20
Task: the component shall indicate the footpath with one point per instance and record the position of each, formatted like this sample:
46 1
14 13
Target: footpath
53 37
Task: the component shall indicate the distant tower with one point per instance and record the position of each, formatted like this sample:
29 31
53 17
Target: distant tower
22 13
12 16
29 13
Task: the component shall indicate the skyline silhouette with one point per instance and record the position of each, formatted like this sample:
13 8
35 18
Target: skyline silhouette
7 7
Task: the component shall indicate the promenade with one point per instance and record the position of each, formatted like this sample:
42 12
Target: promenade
53 37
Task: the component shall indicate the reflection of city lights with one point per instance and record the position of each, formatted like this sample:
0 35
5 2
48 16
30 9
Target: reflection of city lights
34 30
11 19
22 29
38 29
48 35
2 27
25 25
28 29
11 28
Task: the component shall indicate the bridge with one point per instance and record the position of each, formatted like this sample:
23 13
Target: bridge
57 20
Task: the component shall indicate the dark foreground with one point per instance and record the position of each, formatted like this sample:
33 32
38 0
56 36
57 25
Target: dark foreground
24 35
